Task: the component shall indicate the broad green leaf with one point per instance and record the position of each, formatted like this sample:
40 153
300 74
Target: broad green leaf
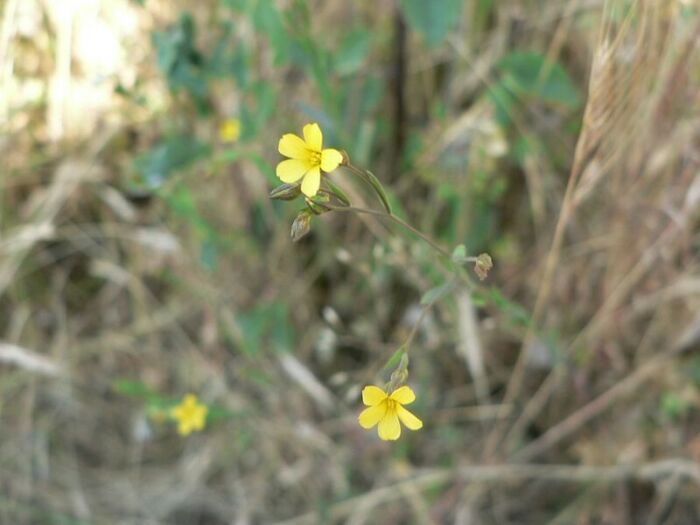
352 52
432 18
267 18
219 61
175 153
241 6
181 62
523 74
503 101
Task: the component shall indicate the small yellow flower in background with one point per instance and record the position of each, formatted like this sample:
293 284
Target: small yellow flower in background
306 159
230 130
190 415
386 410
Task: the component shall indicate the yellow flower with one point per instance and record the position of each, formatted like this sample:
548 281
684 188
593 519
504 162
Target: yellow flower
306 159
190 415
387 410
230 130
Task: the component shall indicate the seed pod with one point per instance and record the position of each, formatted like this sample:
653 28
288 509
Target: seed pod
482 265
301 225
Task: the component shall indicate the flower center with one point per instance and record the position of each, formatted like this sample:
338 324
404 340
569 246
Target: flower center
314 158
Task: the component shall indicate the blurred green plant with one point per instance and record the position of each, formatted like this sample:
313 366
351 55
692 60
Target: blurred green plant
434 19
159 408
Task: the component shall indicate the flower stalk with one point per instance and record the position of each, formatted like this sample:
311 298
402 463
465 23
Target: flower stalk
305 173
373 182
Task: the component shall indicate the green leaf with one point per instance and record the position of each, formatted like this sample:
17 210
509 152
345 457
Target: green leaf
459 255
240 65
127 387
673 406
209 254
219 62
281 331
432 18
180 61
503 101
266 326
395 358
254 116
435 294
514 312
252 325
522 73
266 18
241 6
352 52
175 153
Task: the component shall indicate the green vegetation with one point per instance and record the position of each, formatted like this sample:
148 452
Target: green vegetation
512 231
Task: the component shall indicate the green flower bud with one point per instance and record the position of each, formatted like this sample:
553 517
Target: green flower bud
286 192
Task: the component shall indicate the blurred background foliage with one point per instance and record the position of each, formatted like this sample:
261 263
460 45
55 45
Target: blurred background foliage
141 260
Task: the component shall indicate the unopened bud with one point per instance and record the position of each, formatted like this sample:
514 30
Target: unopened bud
400 375
301 225
286 192
482 265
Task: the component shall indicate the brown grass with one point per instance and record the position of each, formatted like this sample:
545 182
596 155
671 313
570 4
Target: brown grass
568 418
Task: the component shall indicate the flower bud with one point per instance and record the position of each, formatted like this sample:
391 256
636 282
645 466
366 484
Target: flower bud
286 192
482 265
301 225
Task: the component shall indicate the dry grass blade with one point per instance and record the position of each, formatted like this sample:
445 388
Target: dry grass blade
470 345
28 360
143 264
653 471
635 54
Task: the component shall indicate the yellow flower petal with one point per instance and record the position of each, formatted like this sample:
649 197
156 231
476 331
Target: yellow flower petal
330 159
408 418
371 416
199 418
403 395
311 182
230 130
190 415
293 146
291 170
389 426
373 395
313 137
189 400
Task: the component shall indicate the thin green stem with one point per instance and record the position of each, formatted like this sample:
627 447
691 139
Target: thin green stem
397 220
373 181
